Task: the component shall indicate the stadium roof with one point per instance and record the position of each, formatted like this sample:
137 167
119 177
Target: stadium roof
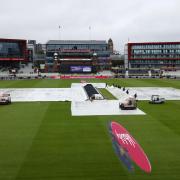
3 39
76 42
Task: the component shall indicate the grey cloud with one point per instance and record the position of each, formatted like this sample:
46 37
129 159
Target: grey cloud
138 20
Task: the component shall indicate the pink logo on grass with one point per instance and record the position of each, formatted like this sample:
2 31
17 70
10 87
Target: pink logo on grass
126 139
133 149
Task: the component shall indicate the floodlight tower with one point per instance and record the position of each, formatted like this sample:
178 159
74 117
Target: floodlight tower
60 32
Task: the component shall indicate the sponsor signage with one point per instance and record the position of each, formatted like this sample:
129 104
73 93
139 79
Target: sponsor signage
132 151
12 59
82 77
76 50
80 68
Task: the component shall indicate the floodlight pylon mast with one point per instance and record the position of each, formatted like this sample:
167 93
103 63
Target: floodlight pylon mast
90 38
60 27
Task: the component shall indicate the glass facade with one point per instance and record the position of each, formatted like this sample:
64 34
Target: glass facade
93 47
10 50
154 55
77 53
155 51
101 49
156 46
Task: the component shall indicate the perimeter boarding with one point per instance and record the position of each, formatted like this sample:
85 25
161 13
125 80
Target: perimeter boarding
92 92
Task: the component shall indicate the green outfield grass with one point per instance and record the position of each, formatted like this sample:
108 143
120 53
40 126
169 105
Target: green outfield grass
106 94
42 141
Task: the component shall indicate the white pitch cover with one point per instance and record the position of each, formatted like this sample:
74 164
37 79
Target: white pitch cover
80 106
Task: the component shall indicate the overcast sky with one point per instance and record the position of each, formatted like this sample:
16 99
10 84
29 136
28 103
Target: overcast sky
136 20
